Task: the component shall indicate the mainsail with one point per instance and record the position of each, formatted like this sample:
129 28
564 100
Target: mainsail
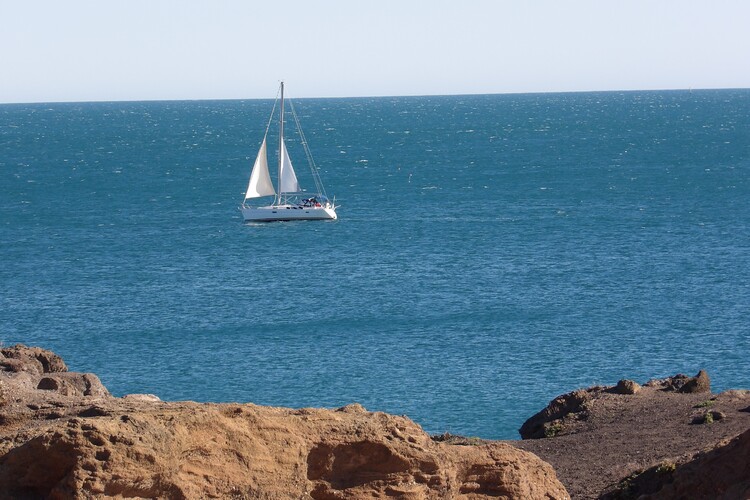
287 178
260 180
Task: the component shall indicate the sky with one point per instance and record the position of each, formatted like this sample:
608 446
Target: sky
114 50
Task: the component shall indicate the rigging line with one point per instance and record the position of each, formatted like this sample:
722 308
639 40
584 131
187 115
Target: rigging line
270 117
308 153
273 110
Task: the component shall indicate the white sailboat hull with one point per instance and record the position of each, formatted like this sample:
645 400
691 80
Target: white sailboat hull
287 212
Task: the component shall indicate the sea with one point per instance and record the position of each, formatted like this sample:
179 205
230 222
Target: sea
491 251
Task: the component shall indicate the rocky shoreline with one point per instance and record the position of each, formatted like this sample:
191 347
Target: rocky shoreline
62 435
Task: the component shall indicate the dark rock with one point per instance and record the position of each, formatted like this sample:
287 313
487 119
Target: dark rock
48 384
574 402
94 411
718 415
675 383
709 417
12 365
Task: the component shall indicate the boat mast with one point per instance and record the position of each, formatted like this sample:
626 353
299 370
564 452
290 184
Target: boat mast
281 141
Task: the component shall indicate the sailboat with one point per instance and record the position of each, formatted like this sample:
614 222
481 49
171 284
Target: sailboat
290 202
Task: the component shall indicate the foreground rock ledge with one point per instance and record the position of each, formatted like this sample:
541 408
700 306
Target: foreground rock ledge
67 437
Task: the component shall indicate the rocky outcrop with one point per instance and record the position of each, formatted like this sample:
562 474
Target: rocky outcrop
547 422
601 439
62 435
684 384
20 358
190 450
57 442
29 368
563 412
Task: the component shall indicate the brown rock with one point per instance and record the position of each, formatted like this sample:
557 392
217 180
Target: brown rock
626 387
353 408
74 384
12 365
699 383
682 383
31 359
24 369
56 441
191 450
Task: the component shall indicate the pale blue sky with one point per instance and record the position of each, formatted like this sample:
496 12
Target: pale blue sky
93 50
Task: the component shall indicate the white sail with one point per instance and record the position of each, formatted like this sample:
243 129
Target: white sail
287 178
260 180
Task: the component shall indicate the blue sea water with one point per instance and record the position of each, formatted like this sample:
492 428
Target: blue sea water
492 251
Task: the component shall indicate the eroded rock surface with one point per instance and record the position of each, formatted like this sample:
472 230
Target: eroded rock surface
57 441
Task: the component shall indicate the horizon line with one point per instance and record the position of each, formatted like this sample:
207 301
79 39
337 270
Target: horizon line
384 96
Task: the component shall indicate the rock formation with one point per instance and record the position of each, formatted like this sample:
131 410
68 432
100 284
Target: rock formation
549 420
609 439
63 436
682 383
562 412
